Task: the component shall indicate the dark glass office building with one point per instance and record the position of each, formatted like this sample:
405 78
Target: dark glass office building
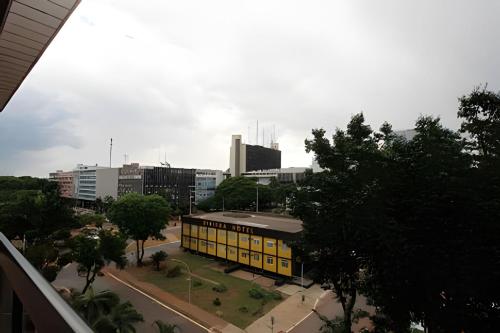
262 158
177 182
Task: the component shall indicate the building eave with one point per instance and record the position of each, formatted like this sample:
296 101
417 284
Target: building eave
27 29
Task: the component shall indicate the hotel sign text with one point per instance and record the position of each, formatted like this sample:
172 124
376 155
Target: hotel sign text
230 227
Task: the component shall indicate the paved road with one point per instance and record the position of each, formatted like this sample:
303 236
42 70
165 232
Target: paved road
150 310
330 308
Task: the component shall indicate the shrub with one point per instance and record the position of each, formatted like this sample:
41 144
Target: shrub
216 301
197 283
220 288
256 293
174 272
276 295
243 309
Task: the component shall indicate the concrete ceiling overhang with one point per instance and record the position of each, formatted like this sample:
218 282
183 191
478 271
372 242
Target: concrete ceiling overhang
27 28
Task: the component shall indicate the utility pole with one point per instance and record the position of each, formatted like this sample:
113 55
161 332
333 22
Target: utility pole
110 151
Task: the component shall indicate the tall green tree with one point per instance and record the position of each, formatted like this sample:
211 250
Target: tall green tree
422 221
282 193
412 224
140 217
107 203
93 254
337 205
32 208
480 111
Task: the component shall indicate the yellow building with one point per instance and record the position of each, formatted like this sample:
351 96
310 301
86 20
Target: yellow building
261 241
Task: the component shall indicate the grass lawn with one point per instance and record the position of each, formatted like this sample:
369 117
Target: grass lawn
202 294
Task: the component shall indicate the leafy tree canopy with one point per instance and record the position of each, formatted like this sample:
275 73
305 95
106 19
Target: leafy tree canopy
140 217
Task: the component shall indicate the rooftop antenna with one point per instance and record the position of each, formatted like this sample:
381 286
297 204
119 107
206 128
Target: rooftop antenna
110 151
165 163
257 134
263 142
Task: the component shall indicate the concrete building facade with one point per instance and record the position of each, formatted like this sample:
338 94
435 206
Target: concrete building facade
93 181
176 182
107 183
130 179
65 181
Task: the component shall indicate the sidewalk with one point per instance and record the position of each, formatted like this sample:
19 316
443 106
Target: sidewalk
291 311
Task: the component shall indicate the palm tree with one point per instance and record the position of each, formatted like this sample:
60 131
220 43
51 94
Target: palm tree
92 305
165 328
123 317
103 324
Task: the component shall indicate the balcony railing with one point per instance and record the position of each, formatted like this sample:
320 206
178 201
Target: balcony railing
28 303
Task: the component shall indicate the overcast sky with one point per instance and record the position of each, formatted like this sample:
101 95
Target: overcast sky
179 77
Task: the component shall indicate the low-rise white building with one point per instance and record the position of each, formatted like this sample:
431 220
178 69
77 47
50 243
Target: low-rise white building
93 181
282 175
206 181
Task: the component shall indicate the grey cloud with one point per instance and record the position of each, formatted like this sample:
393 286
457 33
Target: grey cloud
34 122
198 71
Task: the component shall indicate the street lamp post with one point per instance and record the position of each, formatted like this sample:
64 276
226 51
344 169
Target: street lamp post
190 279
257 201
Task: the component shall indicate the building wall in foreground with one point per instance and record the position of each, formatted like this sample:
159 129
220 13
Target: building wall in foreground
247 246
